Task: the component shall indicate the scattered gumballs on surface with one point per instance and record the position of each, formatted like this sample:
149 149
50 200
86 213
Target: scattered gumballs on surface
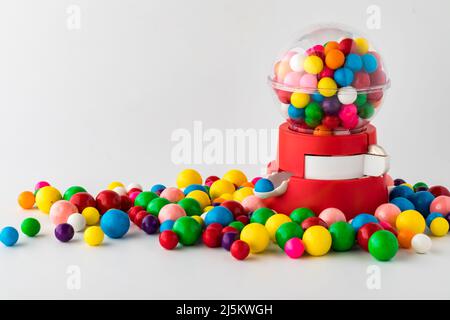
115 223
294 248
274 222
256 236
171 211
342 235
240 250
188 230
93 236
383 245
150 224
26 200
71 191
46 197
64 232
61 210
332 215
168 239
317 240
30 227
421 243
77 221
91 215
9 236
83 200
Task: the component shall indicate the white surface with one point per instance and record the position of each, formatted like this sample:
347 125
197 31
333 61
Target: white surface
99 104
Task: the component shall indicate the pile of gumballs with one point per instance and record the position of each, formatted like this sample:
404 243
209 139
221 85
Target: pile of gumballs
332 87
225 212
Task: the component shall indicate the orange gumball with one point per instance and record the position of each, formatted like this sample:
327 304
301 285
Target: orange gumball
248 184
404 238
330 46
334 59
26 200
322 131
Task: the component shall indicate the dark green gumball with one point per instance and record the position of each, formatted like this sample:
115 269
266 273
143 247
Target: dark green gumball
286 231
188 230
342 235
301 214
261 215
191 206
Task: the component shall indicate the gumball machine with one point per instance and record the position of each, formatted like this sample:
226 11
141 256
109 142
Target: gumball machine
329 84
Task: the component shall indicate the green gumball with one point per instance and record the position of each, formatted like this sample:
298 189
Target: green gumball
188 230
301 214
144 198
156 205
383 245
30 227
261 215
71 191
237 225
286 231
343 236
191 206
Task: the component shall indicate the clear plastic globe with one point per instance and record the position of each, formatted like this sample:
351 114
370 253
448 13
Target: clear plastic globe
331 80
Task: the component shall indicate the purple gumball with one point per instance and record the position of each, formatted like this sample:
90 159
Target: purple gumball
64 232
228 238
331 106
150 224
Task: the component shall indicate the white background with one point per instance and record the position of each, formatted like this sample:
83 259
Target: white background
97 104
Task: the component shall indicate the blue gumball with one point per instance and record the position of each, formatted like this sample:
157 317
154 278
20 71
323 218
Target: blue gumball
362 219
400 191
166 225
9 236
158 188
115 223
403 204
353 62
422 201
219 215
343 77
264 185
370 63
296 113
433 216
194 187
316 96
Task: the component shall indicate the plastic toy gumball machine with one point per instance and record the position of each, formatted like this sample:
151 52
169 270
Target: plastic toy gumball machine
329 84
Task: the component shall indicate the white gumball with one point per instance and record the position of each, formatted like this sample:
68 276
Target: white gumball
77 221
296 62
134 186
121 191
421 243
347 95
284 110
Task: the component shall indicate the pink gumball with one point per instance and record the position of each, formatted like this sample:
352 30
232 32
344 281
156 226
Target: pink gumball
61 210
171 211
441 204
294 248
308 81
133 195
387 212
292 79
350 123
41 184
348 112
252 203
332 215
388 180
172 194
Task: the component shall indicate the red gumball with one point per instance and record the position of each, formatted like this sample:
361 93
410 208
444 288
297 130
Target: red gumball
378 78
215 225
229 229
439 191
107 199
386 226
284 96
361 80
125 203
347 45
133 190
235 207
139 217
83 200
313 221
240 250
133 211
365 232
210 180
326 73
375 96
244 219
212 237
317 50
168 239
331 122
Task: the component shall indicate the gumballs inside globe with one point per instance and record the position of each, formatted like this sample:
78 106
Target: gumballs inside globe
330 80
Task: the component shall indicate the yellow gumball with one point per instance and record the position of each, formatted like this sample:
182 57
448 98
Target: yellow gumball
93 236
411 220
221 187
187 177
236 177
439 227
274 222
46 197
115 184
408 185
327 87
91 215
362 45
208 208
201 196
313 64
198 219
299 99
317 241
256 236
242 193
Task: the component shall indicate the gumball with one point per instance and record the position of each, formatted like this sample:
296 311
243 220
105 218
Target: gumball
140 217
342 235
107 199
346 95
150 224
296 113
292 79
134 186
420 185
77 221
308 81
252 203
64 232
188 177
362 45
235 207
219 215
361 80
331 122
121 191
386 226
286 231
296 62
168 239
403 204
313 64
327 87
331 106
238 225
404 238
365 232
229 229
294 248
125 203
387 212
299 99
199 220
190 206
264 185
30 227
94 236
325 73
317 240
383 245
361 99
187 230
343 77
61 210
274 222
313 221
362 219
26 200
221 187
157 188
171 211
91 215
144 198
166 225
115 223
440 204
353 62
256 236
332 215
133 195
212 238
132 212
334 59
228 238
346 45
46 197
115 184
242 193
83 200
370 63
283 96
432 216
439 191
41 184
243 219
398 182
193 187
240 250
215 225
347 112
421 243
300 214
378 78
201 197
9 236
439 227
71 191
411 220
261 215
422 201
